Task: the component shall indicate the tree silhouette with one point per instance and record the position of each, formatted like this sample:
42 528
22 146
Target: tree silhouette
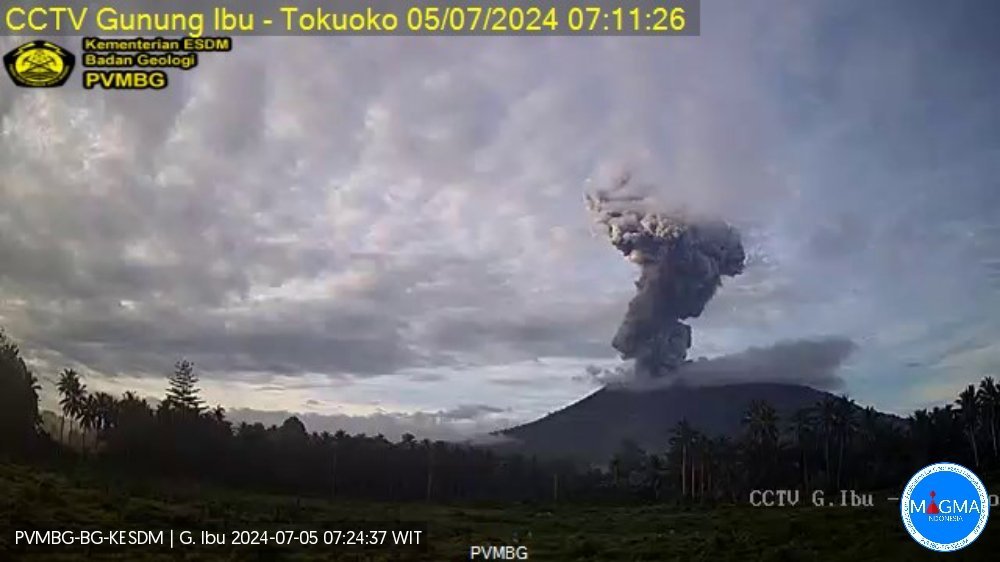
989 399
130 434
683 439
429 447
968 413
845 425
761 440
19 418
105 412
871 434
71 396
921 434
826 420
803 430
860 447
219 413
836 442
183 392
89 419
339 440
761 421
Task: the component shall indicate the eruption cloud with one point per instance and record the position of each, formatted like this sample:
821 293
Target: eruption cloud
682 262
808 362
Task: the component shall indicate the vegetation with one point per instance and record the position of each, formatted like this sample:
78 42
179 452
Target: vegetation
19 417
663 532
688 500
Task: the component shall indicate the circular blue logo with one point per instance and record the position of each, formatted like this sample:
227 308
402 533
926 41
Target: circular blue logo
945 507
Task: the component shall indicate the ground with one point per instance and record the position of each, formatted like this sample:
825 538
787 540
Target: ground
44 499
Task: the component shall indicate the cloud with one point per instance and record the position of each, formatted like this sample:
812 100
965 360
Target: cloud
470 412
398 207
601 376
459 424
809 362
362 211
812 363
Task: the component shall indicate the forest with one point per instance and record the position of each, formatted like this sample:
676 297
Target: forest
834 444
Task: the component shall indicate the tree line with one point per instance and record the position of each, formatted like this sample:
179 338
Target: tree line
180 437
833 444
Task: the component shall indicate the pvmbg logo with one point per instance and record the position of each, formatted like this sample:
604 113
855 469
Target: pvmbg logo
39 64
945 507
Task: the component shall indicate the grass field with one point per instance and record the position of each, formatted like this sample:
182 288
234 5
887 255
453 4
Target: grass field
32 498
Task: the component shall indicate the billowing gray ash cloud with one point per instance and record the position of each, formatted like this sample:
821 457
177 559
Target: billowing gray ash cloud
682 263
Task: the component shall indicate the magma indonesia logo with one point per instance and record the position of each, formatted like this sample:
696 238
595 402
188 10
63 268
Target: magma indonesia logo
945 507
39 64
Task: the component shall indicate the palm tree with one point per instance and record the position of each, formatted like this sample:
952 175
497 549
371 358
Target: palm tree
945 429
73 396
826 417
430 467
654 475
714 452
761 439
69 387
132 411
134 423
761 421
869 425
683 438
340 438
105 411
871 433
802 427
88 419
725 470
921 432
845 425
989 399
19 416
219 414
703 455
968 404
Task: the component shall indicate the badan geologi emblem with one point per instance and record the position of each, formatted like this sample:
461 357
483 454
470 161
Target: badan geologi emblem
39 64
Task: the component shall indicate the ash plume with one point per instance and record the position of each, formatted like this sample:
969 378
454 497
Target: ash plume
682 262
812 363
809 362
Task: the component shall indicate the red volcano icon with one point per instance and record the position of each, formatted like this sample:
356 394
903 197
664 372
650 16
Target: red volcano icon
933 508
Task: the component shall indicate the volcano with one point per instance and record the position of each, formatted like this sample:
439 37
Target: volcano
592 429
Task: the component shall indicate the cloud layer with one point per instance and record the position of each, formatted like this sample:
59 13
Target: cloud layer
812 363
398 222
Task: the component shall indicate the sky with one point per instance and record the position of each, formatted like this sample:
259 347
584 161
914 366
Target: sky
389 234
